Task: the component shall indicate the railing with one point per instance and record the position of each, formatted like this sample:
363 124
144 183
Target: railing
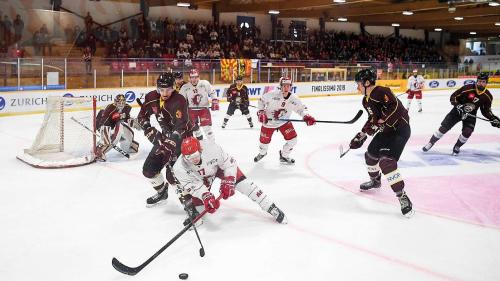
50 73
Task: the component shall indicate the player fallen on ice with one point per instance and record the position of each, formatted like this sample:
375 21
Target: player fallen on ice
115 126
202 162
466 101
237 96
276 105
388 123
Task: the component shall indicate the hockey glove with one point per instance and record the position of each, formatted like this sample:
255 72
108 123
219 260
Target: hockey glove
211 205
152 134
309 120
495 122
370 128
227 187
358 140
261 114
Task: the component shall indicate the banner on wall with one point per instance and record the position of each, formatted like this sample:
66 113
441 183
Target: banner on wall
230 68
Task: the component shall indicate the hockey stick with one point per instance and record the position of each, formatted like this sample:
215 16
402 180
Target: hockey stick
360 112
121 151
134 270
342 152
480 118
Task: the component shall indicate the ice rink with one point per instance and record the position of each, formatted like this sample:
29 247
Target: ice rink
67 224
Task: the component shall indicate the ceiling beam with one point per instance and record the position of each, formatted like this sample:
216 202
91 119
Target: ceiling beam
227 7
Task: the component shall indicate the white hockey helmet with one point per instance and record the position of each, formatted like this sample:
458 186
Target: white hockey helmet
285 80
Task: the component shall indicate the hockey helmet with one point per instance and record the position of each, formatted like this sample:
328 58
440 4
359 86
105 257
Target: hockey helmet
415 71
366 75
165 80
177 75
191 150
194 73
120 101
239 78
483 76
285 80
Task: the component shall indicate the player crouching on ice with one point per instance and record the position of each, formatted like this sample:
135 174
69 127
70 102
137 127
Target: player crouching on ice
203 161
388 122
115 125
276 105
466 101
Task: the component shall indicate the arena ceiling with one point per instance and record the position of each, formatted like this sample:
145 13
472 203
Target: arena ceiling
478 16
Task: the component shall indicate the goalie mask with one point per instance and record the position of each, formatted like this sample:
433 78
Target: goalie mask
120 101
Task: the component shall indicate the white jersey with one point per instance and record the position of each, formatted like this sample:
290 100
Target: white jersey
195 179
416 84
277 107
199 95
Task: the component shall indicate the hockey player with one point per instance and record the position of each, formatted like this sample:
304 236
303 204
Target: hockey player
466 101
415 85
170 110
272 107
202 162
237 96
388 121
198 93
179 81
115 126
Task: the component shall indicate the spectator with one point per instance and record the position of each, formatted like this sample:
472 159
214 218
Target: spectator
88 22
87 59
18 28
7 25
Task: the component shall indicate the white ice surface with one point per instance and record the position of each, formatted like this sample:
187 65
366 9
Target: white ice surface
67 224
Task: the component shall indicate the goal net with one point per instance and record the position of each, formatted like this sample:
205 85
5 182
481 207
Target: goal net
66 137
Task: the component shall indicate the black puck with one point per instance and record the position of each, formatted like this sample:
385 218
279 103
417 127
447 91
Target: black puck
183 276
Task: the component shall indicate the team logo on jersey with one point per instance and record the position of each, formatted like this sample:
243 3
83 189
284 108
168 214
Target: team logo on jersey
129 97
2 103
369 110
434 84
178 114
451 83
279 113
196 99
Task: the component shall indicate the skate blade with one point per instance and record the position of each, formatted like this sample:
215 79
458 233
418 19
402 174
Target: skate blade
161 203
409 214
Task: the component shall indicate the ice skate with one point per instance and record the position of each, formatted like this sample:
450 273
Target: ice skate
258 157
250 123
406 205
456 150
427 147
157 198
286 160
99 154
224 125
278 215
372 183
420 110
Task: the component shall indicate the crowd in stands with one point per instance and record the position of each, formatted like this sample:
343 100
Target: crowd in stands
181 39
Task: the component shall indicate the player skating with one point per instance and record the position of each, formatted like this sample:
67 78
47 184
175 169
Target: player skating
179 81
237 96
202 162
170 110
276 105
466 101
415 85
388 121
199 94
115 126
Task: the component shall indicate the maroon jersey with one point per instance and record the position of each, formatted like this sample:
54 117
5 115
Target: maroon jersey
471 94
381 103
172 114
178 87
237 95
105 116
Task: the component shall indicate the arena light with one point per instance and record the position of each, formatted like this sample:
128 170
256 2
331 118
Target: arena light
458 18
494 4
338 1
395 24
274 12
497 23
407 13
472 33
438 29
183 4
342 19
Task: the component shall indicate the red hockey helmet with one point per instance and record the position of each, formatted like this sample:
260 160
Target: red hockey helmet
190 145
194 73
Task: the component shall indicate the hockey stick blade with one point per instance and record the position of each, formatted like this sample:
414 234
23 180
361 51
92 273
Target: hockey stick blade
360 112
342 152
125 269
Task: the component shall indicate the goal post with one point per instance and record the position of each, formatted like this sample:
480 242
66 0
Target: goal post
61 142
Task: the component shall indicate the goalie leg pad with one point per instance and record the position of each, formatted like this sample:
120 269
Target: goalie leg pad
252 191
127 137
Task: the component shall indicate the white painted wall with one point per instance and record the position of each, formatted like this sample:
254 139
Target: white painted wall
380 30
413 33
348 27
